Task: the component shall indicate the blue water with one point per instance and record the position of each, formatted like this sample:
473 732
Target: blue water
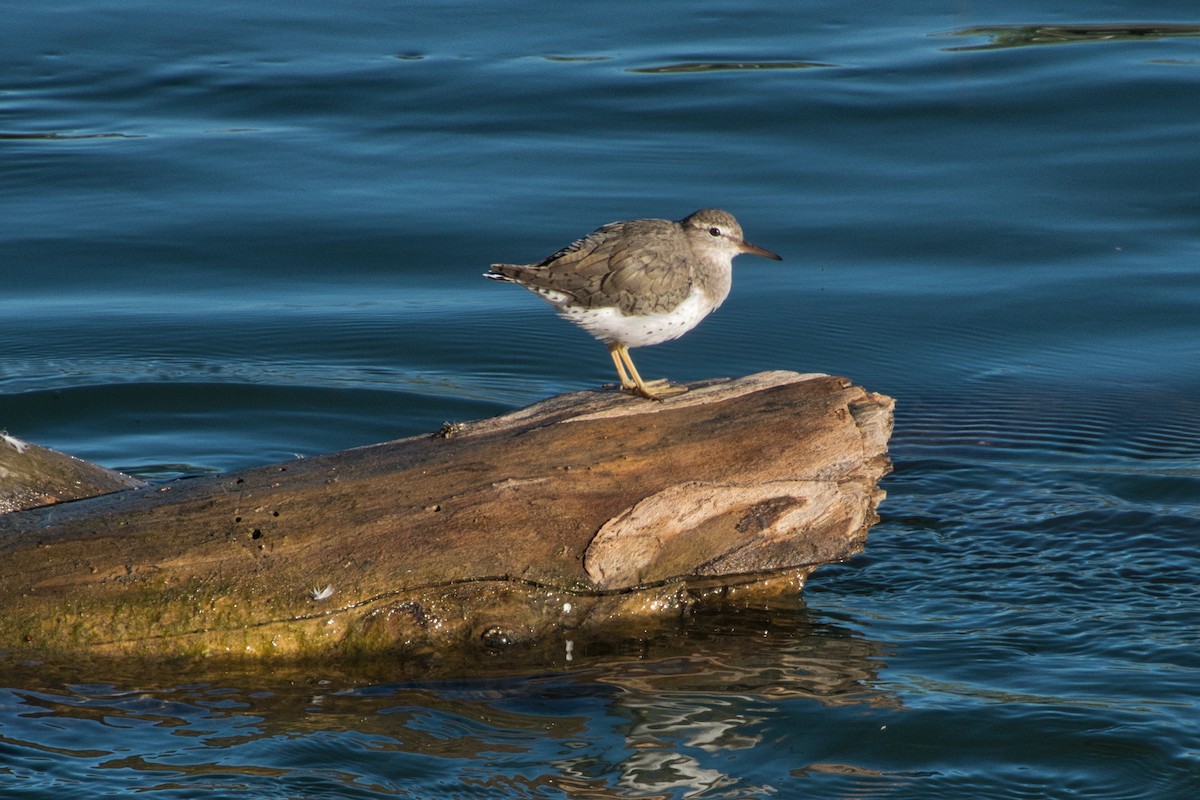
233 233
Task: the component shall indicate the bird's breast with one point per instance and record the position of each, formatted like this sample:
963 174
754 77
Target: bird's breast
610 324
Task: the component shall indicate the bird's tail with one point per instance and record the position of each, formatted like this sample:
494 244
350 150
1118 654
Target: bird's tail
504 272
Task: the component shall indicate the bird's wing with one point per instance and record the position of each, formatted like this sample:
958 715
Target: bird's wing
636 267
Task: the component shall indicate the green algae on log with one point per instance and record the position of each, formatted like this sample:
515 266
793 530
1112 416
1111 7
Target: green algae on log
560 516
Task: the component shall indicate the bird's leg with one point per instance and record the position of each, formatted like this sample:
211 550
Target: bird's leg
627 383
660 388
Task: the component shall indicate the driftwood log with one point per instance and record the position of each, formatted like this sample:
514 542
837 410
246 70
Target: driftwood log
32 476
563 515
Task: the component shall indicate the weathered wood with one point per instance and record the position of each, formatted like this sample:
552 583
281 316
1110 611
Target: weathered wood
556 516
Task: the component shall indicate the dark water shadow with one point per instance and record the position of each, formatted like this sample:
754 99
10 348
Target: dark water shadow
724 66
57 137
577 59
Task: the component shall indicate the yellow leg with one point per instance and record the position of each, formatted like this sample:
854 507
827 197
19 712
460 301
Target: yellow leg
631 381
627 383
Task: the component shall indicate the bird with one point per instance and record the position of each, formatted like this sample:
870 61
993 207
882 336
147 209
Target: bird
639 282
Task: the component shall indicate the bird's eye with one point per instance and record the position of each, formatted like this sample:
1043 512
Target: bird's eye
715 231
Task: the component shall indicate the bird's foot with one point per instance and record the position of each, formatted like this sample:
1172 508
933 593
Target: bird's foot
655 390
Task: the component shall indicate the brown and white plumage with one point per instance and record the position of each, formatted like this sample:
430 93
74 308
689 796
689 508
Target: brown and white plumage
639 282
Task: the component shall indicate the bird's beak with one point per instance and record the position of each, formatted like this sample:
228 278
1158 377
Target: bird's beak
755 250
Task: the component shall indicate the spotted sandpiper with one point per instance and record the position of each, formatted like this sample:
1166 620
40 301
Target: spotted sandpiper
639 282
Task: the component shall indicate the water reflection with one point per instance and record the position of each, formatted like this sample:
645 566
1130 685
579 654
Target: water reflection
656 713
1022 35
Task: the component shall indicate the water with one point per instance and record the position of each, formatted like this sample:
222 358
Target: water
238 232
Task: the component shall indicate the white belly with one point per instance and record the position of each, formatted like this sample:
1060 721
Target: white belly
610 325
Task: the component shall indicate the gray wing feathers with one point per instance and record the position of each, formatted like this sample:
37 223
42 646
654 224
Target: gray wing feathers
639 268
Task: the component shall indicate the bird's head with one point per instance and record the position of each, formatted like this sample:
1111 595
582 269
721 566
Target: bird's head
714 229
